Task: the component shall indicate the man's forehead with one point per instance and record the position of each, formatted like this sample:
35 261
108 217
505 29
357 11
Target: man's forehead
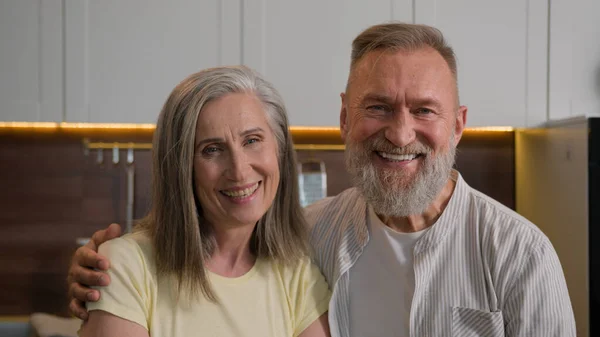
385 71
384 61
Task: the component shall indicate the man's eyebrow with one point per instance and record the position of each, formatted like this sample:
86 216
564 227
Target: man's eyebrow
377 97
421 101
427 101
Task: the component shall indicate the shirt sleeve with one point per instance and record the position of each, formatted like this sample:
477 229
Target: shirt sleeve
312 296
127 296
538 303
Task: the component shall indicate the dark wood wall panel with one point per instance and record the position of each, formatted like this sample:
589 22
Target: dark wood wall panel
52 193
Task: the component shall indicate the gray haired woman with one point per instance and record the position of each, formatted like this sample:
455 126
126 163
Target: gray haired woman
223 252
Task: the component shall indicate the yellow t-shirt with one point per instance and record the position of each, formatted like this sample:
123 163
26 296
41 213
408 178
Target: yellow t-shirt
269 300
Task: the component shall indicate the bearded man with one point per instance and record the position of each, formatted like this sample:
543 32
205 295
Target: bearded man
412 250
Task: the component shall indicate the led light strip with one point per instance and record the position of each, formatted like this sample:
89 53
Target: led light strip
148 146
63 125
308 133
126 126
490 129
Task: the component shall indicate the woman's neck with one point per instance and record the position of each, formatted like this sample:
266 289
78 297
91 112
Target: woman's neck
232 256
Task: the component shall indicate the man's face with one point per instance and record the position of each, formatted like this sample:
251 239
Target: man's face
401 122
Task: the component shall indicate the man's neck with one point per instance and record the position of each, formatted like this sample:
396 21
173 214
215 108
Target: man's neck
419 222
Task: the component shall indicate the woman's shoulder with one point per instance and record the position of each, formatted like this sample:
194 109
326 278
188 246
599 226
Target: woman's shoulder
131 248
307 293
295 273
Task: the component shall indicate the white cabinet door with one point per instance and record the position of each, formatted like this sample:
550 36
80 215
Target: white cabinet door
31 73
123 58
574 58
303 48
501 48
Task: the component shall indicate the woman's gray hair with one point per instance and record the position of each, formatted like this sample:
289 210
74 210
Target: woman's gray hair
182 240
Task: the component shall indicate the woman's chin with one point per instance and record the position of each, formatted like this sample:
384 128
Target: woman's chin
245 219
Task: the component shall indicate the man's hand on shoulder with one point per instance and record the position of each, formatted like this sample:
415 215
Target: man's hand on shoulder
88 268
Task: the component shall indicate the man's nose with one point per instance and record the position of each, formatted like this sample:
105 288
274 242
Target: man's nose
239 166
401 129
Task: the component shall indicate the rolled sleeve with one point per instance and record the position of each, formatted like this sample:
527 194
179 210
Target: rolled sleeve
313 297
127 295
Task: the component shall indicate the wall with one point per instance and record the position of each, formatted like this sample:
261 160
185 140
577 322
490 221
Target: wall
552 180
52 194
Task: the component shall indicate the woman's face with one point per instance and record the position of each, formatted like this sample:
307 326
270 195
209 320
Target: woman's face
236 170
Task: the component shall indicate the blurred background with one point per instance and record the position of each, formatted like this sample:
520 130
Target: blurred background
82 83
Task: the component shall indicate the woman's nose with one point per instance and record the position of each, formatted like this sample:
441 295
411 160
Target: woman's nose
238 166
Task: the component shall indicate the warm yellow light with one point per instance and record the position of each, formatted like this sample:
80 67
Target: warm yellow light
491 129
125 126
52 125
106 126
26 125
477 128
314 128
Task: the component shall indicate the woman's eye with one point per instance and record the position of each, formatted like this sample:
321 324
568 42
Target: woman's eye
210 150
252 141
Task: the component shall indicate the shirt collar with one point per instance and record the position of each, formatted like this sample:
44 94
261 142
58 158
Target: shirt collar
453 214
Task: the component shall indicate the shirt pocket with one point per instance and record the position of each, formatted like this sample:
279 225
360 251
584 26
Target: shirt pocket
467 322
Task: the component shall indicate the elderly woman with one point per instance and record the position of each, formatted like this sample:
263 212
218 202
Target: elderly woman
223 251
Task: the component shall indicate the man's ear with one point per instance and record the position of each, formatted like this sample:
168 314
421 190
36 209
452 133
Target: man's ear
343 117
461 121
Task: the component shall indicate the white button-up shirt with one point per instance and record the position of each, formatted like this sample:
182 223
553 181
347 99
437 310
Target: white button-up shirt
481 270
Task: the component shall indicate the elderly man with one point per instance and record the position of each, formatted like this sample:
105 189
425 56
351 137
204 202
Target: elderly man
412 250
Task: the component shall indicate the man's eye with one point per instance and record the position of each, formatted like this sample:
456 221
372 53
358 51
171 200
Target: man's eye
424 111
377 108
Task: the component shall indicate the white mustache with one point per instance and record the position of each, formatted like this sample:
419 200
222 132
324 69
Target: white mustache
384 145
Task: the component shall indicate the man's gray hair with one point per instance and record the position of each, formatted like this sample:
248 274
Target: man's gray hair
396 36
402 36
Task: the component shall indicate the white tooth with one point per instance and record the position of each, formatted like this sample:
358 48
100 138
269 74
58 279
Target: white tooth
241 193
398 157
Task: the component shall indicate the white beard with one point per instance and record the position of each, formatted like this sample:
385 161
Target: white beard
394 193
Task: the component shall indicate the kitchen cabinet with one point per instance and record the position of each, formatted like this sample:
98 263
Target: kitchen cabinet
501 48
520 62
123 58
31 64
303 48
574 70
